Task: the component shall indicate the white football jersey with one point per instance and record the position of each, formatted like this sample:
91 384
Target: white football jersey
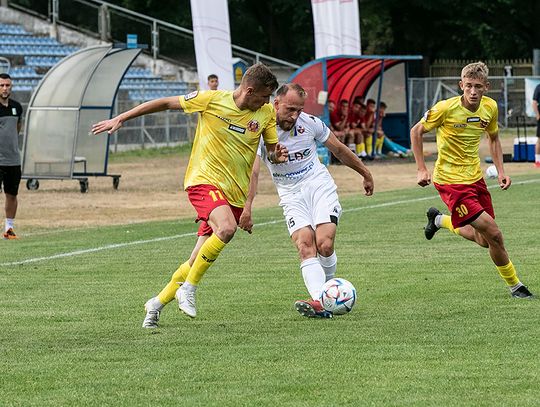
303 162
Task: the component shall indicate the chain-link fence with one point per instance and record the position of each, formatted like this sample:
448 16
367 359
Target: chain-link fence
509 92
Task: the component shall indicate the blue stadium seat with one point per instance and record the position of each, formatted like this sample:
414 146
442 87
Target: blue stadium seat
41 61
12 29
42 52
26 40
23 72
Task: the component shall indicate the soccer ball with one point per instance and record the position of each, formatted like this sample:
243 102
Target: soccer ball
338 296
491 172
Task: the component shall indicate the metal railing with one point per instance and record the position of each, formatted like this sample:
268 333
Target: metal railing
5 65
167 128
112 23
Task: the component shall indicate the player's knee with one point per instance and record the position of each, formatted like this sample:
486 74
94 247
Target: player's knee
325 247
482 242
226 231
306 250
496 237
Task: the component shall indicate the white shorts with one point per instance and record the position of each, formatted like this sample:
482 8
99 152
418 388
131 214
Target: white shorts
315 203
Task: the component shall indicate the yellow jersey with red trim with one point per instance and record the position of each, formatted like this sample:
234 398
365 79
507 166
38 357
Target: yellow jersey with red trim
459 132
226 142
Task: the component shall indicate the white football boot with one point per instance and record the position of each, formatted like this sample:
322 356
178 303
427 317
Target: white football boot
152 315
186 300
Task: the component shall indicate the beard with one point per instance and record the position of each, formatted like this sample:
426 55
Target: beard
283 125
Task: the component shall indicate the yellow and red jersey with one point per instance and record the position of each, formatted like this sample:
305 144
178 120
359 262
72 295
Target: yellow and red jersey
226 142
459 132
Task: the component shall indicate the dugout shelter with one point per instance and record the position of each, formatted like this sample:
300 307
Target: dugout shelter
78 91
378 77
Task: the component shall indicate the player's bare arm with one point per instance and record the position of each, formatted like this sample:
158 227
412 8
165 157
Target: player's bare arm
536 109
347 157
423 177
277 153
496 154
246 220
152 106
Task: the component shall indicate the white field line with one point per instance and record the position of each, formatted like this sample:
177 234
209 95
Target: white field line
161 239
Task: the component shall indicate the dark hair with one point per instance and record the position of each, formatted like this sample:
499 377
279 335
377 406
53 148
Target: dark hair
358 100
343 101
212 76
370 101
260 76
284 89
4 76
383 105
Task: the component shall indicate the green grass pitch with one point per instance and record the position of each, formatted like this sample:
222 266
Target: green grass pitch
434 323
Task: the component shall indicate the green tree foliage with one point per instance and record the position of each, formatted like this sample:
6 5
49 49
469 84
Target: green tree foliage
484 29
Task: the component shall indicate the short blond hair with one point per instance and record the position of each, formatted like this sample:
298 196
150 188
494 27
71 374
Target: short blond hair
260 76
476 70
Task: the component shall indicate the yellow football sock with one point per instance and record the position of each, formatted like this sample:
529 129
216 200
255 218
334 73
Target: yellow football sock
446 222
379 144
208 253
360 148
508 273
167 294
369 144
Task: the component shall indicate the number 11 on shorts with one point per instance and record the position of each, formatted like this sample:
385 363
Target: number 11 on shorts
216 195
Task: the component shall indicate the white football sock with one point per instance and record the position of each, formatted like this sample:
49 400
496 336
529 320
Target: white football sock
537 158
189 287
9 223
314 276
156 304
329 265
438 219
515 287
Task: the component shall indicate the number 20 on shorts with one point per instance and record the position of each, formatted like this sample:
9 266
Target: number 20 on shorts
462 210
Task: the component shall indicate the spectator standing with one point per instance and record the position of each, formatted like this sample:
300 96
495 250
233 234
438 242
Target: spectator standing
213 82
536 108
10 157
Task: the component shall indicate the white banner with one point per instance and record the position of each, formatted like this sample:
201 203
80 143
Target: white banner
350 27
212 42
326 27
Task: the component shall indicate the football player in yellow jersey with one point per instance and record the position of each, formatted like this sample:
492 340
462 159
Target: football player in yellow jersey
217 178
461 121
